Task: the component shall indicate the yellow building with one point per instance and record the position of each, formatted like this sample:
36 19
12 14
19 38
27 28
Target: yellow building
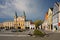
19 22
1 25
47 24
50 18
8 24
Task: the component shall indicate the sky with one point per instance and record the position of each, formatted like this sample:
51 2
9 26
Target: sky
34 9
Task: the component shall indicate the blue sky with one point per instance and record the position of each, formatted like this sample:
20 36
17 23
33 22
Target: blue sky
34 9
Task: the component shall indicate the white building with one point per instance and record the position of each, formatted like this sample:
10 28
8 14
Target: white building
45 25
56 16
50 14
29 25
32 26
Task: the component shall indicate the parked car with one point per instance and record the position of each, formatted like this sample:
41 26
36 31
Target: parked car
20 30
13 30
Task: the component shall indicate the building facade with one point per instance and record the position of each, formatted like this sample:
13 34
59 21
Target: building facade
50 14
1 24
29 25
32 25
8 25
20 22
47 24
56 16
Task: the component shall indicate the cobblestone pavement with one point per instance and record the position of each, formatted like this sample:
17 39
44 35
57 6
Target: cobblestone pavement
24 36
52 36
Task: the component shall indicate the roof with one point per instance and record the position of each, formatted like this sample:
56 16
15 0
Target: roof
57 3
51 9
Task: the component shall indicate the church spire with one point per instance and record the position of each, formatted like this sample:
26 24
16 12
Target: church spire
24 14
16 14
15 17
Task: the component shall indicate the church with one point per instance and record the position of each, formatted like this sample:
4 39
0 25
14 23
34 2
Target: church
19 21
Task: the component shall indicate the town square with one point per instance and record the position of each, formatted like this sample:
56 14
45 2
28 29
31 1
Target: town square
29 19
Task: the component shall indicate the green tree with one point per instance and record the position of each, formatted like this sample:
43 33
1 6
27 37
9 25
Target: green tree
37 23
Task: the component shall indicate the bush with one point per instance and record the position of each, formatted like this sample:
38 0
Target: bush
38 33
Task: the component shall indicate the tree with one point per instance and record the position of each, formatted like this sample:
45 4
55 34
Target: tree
38 23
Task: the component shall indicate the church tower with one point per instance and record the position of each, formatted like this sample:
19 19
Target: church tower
15 19
15 15
24 15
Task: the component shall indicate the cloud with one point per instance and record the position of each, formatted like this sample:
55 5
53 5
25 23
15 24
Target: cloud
3 6
6 8
29 6
24 5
